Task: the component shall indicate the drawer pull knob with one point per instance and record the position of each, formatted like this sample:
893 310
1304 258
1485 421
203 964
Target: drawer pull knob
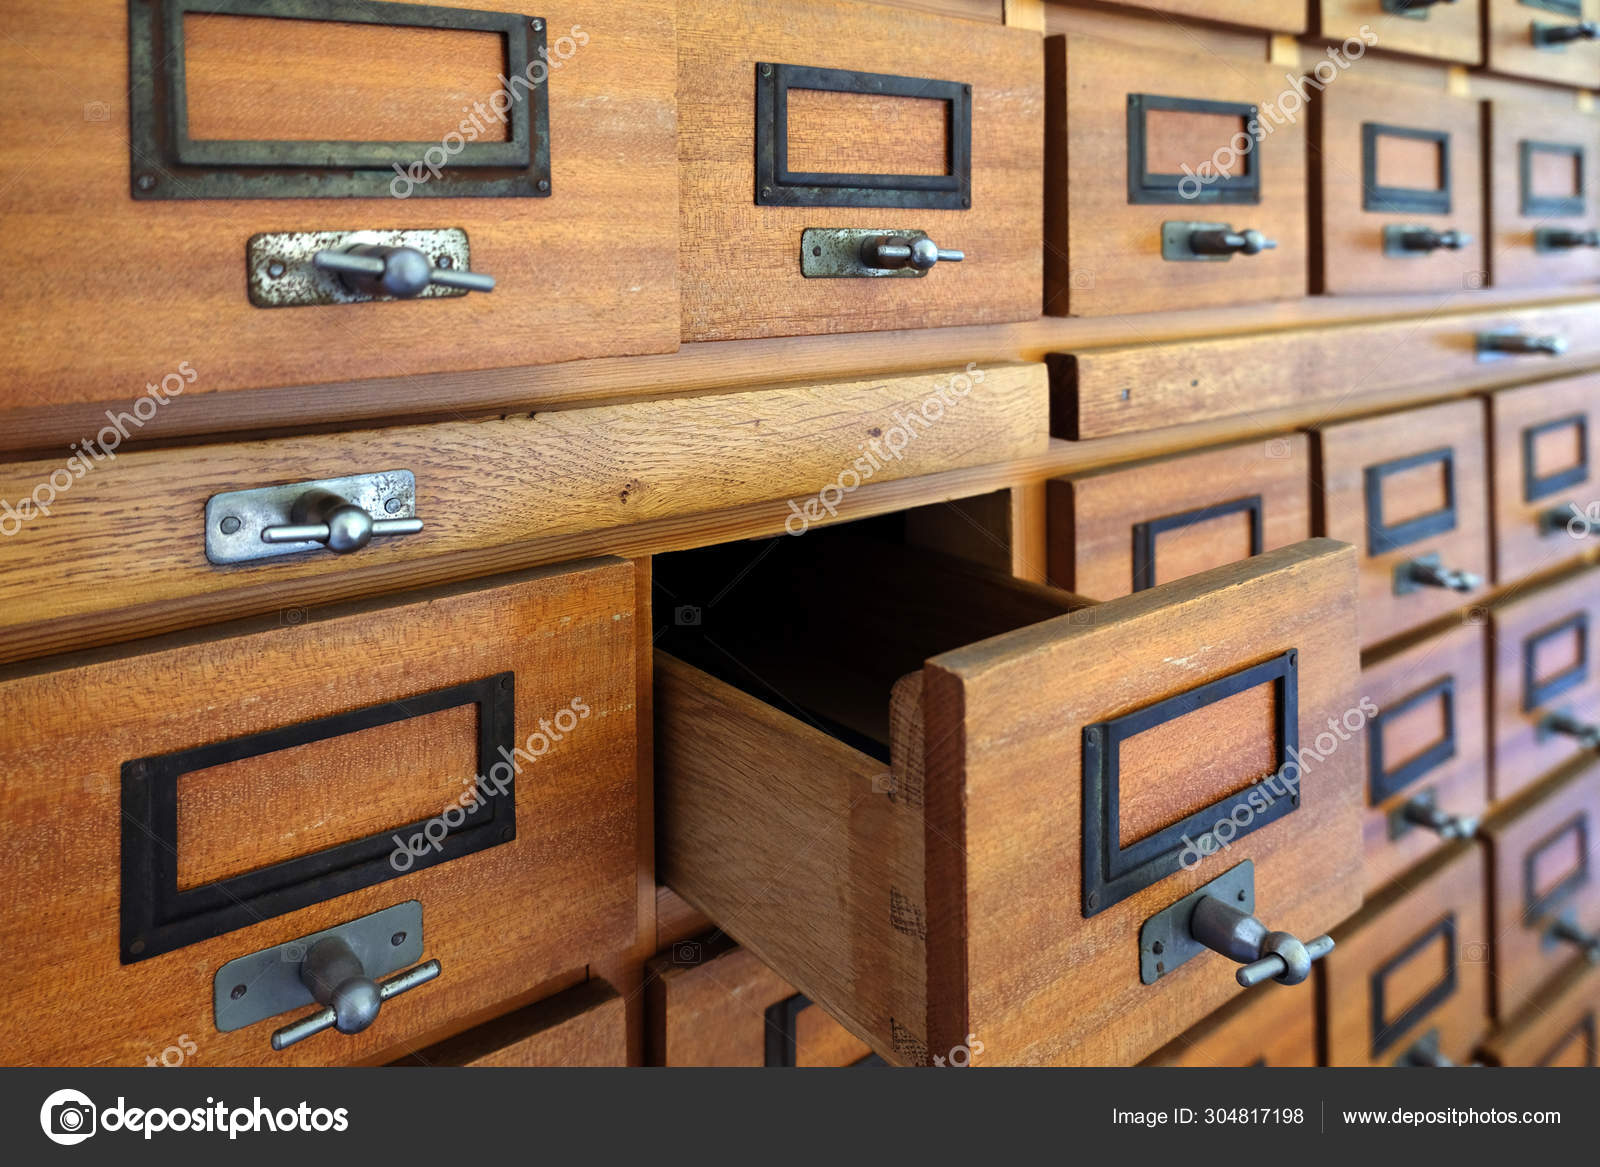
1415 240
862 253
401 272
1190 242
1569 518
1565 724
1564 239
1569 932
1425 1053
1548 36
892 254
1424 812
320 516
1266 955
1430 573
351 999
1521 343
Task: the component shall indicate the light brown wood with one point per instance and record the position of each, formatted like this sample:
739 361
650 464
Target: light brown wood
1103 253
1283 15
715 1013
1509 25
676 920
1511 123
1447 887
1559 1027
1525 629
589 271
825 875
567 635
1345 451
1278 1030
1352 244
740 262
852 133
1452 32
1093 517
584 1026
495 483
1542 855
1568 413
1459 782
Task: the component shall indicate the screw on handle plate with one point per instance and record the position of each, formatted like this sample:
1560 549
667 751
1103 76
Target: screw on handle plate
328 1017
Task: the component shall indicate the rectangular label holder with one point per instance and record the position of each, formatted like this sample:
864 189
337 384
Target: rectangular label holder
1384 537
1403 199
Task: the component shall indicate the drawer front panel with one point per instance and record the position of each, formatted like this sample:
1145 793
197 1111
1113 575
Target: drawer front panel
1425 748
1544 194
580 272
1543 646
819 98
1258 1029
1165 148
1405 488
1450 32
584 1026
1558 1027
1397 166
385 714
1124 530
1544 882
1512 49
1410 972
1546 479
1278 15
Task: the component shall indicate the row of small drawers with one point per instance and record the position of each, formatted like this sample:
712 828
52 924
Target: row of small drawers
632 257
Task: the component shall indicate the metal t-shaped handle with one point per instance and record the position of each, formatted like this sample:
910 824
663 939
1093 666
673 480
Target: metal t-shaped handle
1266 955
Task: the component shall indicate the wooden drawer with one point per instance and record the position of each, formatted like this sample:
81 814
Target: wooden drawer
799 117
1277 15
1426 749
1128 528
1542 646
715 1004
1543 896
1258 1029
1159 141
942 859
483 486
161 295
1544 192
1399 173
1511 47
1406 488
252 786
1546 486
1410 973
584 1026
1560 1027
1450 31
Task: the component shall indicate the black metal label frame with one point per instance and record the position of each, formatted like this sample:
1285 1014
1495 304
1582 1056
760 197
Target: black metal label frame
1112 872
1536 206
157 917
778 186
1536 904
1146 533
1536 693
1383 537
1385 1030
167 164
1145 188
1535 487
782 1033
1403 199
1383 784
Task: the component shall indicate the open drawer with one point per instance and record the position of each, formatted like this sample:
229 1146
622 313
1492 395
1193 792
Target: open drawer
954 808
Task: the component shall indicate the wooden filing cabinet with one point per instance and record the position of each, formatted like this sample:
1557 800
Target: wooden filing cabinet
582 1026
1544 192
802 118
1408 981
242 790
1398 180
711 1003
1543 897
1155 168
1427 763
1409 490
1544 688
1560 1027
1023 787
1546 487
582 268
1446 31
1275 1029
1509 34
1118 531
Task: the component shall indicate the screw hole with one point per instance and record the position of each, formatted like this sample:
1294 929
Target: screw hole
276 268
230 525
816 251
1241 895
238 991
1158 948
397 939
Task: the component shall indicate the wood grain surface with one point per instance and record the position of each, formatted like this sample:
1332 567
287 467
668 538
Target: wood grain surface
583 1026
1513 260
